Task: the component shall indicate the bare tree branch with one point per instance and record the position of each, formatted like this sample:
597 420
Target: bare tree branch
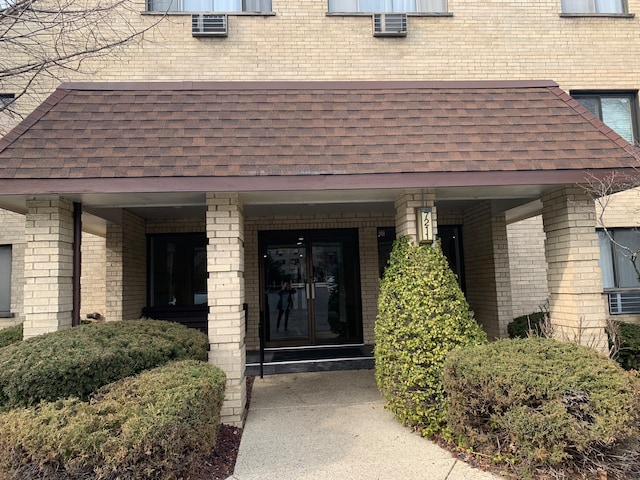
602 189
42 40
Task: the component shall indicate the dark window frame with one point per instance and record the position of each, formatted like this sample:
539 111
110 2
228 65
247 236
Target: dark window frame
632 95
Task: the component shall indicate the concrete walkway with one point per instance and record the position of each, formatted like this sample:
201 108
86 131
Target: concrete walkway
333 425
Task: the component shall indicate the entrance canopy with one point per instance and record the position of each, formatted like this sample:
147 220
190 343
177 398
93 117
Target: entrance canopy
111 145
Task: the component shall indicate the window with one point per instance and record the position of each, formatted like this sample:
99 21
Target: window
594 6
252 6
177 269
5 279
6 99
619 277
382 6
616 110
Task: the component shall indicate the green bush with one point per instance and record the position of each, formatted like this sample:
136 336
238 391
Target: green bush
10 335
156 425
527 325
77 361
629 349
422 315
539 404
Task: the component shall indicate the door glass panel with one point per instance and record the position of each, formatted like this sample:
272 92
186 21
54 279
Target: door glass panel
311 287
335 289
285 307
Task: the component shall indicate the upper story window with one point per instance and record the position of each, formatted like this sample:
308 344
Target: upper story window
616 110
6 99
594 6
383 6
249 6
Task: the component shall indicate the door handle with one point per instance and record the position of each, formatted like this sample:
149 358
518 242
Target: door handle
306 288
313 291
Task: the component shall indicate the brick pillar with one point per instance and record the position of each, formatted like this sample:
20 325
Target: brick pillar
577 306
48 265
406 206
126 268
486 253
225 260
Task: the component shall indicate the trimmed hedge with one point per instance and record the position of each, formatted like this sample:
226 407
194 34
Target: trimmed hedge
539 404
10 335
77 361
156 425
422 315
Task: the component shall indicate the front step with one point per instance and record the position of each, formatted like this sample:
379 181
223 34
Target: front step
310 359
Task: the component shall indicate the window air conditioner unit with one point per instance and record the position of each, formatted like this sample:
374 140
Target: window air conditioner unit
389 24
208 25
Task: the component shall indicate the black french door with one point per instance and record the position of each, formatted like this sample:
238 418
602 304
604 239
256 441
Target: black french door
310 281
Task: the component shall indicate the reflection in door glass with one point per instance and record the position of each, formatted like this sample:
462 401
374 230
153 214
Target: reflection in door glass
285 302
328 291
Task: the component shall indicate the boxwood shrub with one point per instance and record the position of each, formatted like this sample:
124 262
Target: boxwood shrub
75 362
540 404
422 315
10 335
156 425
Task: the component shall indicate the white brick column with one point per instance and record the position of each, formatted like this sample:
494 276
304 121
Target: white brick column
48 265
577 306
486 253
406 206
126 267
226 294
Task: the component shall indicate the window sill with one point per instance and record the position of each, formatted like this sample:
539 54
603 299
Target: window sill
239 14
597 15
7 315
368 14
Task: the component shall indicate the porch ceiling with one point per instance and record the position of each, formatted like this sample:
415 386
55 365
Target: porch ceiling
98 208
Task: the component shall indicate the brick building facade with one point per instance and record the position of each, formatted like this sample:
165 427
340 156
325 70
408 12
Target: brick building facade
507 270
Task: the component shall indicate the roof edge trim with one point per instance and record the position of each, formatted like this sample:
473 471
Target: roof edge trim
306 85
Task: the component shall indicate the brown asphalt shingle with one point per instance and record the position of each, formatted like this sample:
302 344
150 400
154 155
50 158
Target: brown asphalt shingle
324 128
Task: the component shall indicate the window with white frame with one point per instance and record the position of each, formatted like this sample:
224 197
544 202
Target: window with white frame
616 110
222 6
5 279
593 7
619 276
383 6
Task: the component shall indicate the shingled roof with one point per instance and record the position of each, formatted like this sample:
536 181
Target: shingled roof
280 129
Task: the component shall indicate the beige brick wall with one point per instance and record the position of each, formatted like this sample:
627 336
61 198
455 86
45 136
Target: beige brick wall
577 308
126 267
481 40
527 266
48 265
619 210
93 277
226 293
366 224
487 268
406 206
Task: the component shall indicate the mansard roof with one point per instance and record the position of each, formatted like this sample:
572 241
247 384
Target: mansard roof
447 133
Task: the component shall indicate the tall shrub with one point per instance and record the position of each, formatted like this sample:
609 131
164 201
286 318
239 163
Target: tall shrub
422 316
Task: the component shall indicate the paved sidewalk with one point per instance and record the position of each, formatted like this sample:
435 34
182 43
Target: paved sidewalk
332 425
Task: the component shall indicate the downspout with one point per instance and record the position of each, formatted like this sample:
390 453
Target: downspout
77 264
